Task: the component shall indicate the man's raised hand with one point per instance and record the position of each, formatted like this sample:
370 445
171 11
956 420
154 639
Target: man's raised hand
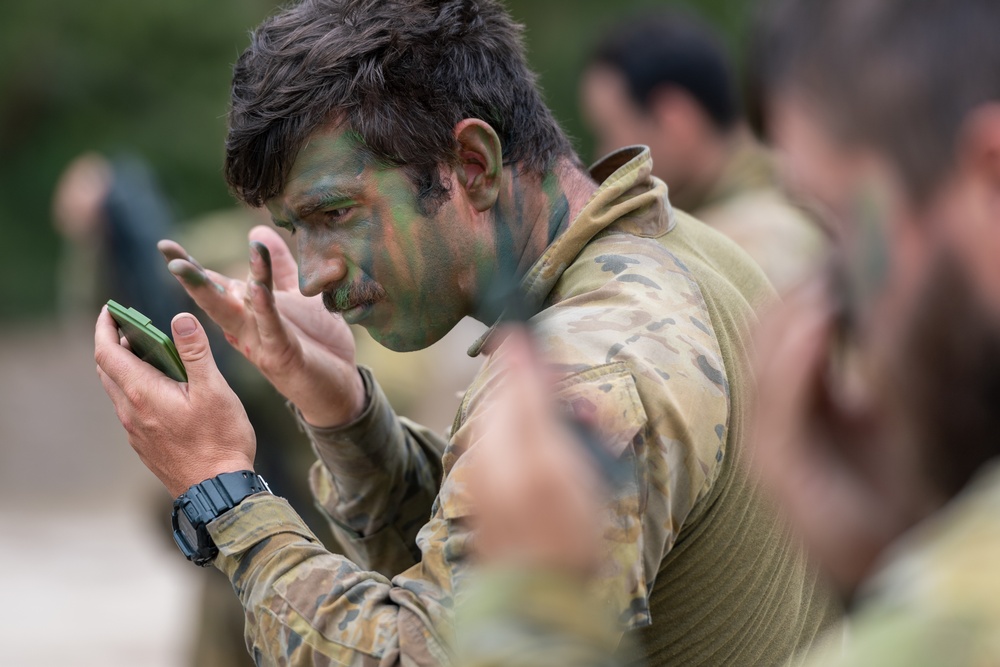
306 352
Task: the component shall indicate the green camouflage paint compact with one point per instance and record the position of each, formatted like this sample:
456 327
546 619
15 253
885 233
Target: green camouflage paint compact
147 342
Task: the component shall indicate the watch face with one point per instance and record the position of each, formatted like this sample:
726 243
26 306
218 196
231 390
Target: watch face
187 530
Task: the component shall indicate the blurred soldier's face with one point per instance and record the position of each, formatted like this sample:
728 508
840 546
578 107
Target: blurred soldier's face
674 127
925 307
895 240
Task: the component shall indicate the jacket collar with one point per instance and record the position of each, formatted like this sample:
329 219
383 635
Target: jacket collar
629 199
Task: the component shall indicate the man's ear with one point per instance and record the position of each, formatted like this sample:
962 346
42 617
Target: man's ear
979 147
480 162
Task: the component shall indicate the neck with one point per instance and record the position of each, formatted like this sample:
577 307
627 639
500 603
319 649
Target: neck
532 211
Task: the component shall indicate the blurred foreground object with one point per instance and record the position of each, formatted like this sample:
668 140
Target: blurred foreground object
539 518
539 500
879 385
664 79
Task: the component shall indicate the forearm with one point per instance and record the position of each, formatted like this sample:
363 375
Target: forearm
307 606
376 480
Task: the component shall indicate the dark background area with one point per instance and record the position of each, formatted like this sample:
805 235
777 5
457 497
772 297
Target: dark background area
152 78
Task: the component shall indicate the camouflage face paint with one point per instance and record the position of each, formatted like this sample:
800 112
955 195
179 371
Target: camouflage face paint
363 243
528 217
406 276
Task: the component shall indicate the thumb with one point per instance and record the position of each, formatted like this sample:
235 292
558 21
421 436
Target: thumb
192 345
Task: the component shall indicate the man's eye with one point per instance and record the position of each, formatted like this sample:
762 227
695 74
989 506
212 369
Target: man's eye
337 213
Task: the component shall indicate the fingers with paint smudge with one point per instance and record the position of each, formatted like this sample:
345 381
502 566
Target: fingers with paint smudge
220 297
260 265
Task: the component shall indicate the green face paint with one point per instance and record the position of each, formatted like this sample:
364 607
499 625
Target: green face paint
363 243
868 256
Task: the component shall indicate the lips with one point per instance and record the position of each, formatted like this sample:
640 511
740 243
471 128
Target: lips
354 301
355 314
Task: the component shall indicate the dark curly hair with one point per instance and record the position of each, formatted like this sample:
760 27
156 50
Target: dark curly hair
398 73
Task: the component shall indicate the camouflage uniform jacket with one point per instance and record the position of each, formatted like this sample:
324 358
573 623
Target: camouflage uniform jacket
631 327
747 205
935 600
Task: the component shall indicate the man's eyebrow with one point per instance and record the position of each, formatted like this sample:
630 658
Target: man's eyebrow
320 199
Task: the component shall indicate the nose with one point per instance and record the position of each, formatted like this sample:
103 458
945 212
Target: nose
319 268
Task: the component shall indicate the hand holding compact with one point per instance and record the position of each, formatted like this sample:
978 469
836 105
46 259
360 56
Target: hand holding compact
184 432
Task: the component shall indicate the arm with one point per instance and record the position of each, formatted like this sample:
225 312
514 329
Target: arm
307 606
376 480
304 605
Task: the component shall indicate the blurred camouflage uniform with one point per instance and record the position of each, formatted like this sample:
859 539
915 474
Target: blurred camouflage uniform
747 205
936 598
532 618
645 313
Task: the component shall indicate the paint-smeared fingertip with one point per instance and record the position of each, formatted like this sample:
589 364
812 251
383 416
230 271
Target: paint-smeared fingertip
262 250
176 267
170 249
188 273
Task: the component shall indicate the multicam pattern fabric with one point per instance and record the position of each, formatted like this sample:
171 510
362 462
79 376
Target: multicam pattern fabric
936 599
625 324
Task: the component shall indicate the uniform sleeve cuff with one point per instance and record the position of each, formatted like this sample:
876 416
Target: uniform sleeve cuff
370 432
255 519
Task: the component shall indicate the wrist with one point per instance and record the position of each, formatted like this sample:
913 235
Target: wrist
206 501
337 413
203 473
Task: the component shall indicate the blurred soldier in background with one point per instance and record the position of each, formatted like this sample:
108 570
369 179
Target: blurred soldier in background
880 427
110 213
665 80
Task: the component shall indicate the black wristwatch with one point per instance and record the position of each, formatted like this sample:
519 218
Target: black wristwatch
202 503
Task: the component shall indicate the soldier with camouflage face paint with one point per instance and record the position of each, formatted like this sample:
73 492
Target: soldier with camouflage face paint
405 145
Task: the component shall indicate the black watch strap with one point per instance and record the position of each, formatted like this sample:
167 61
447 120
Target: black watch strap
203 503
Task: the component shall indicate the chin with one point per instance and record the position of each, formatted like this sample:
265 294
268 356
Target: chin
399 342
407 340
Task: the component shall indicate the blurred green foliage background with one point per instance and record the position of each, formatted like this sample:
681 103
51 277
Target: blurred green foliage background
152 78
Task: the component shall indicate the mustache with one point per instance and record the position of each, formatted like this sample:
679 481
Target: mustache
344 298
